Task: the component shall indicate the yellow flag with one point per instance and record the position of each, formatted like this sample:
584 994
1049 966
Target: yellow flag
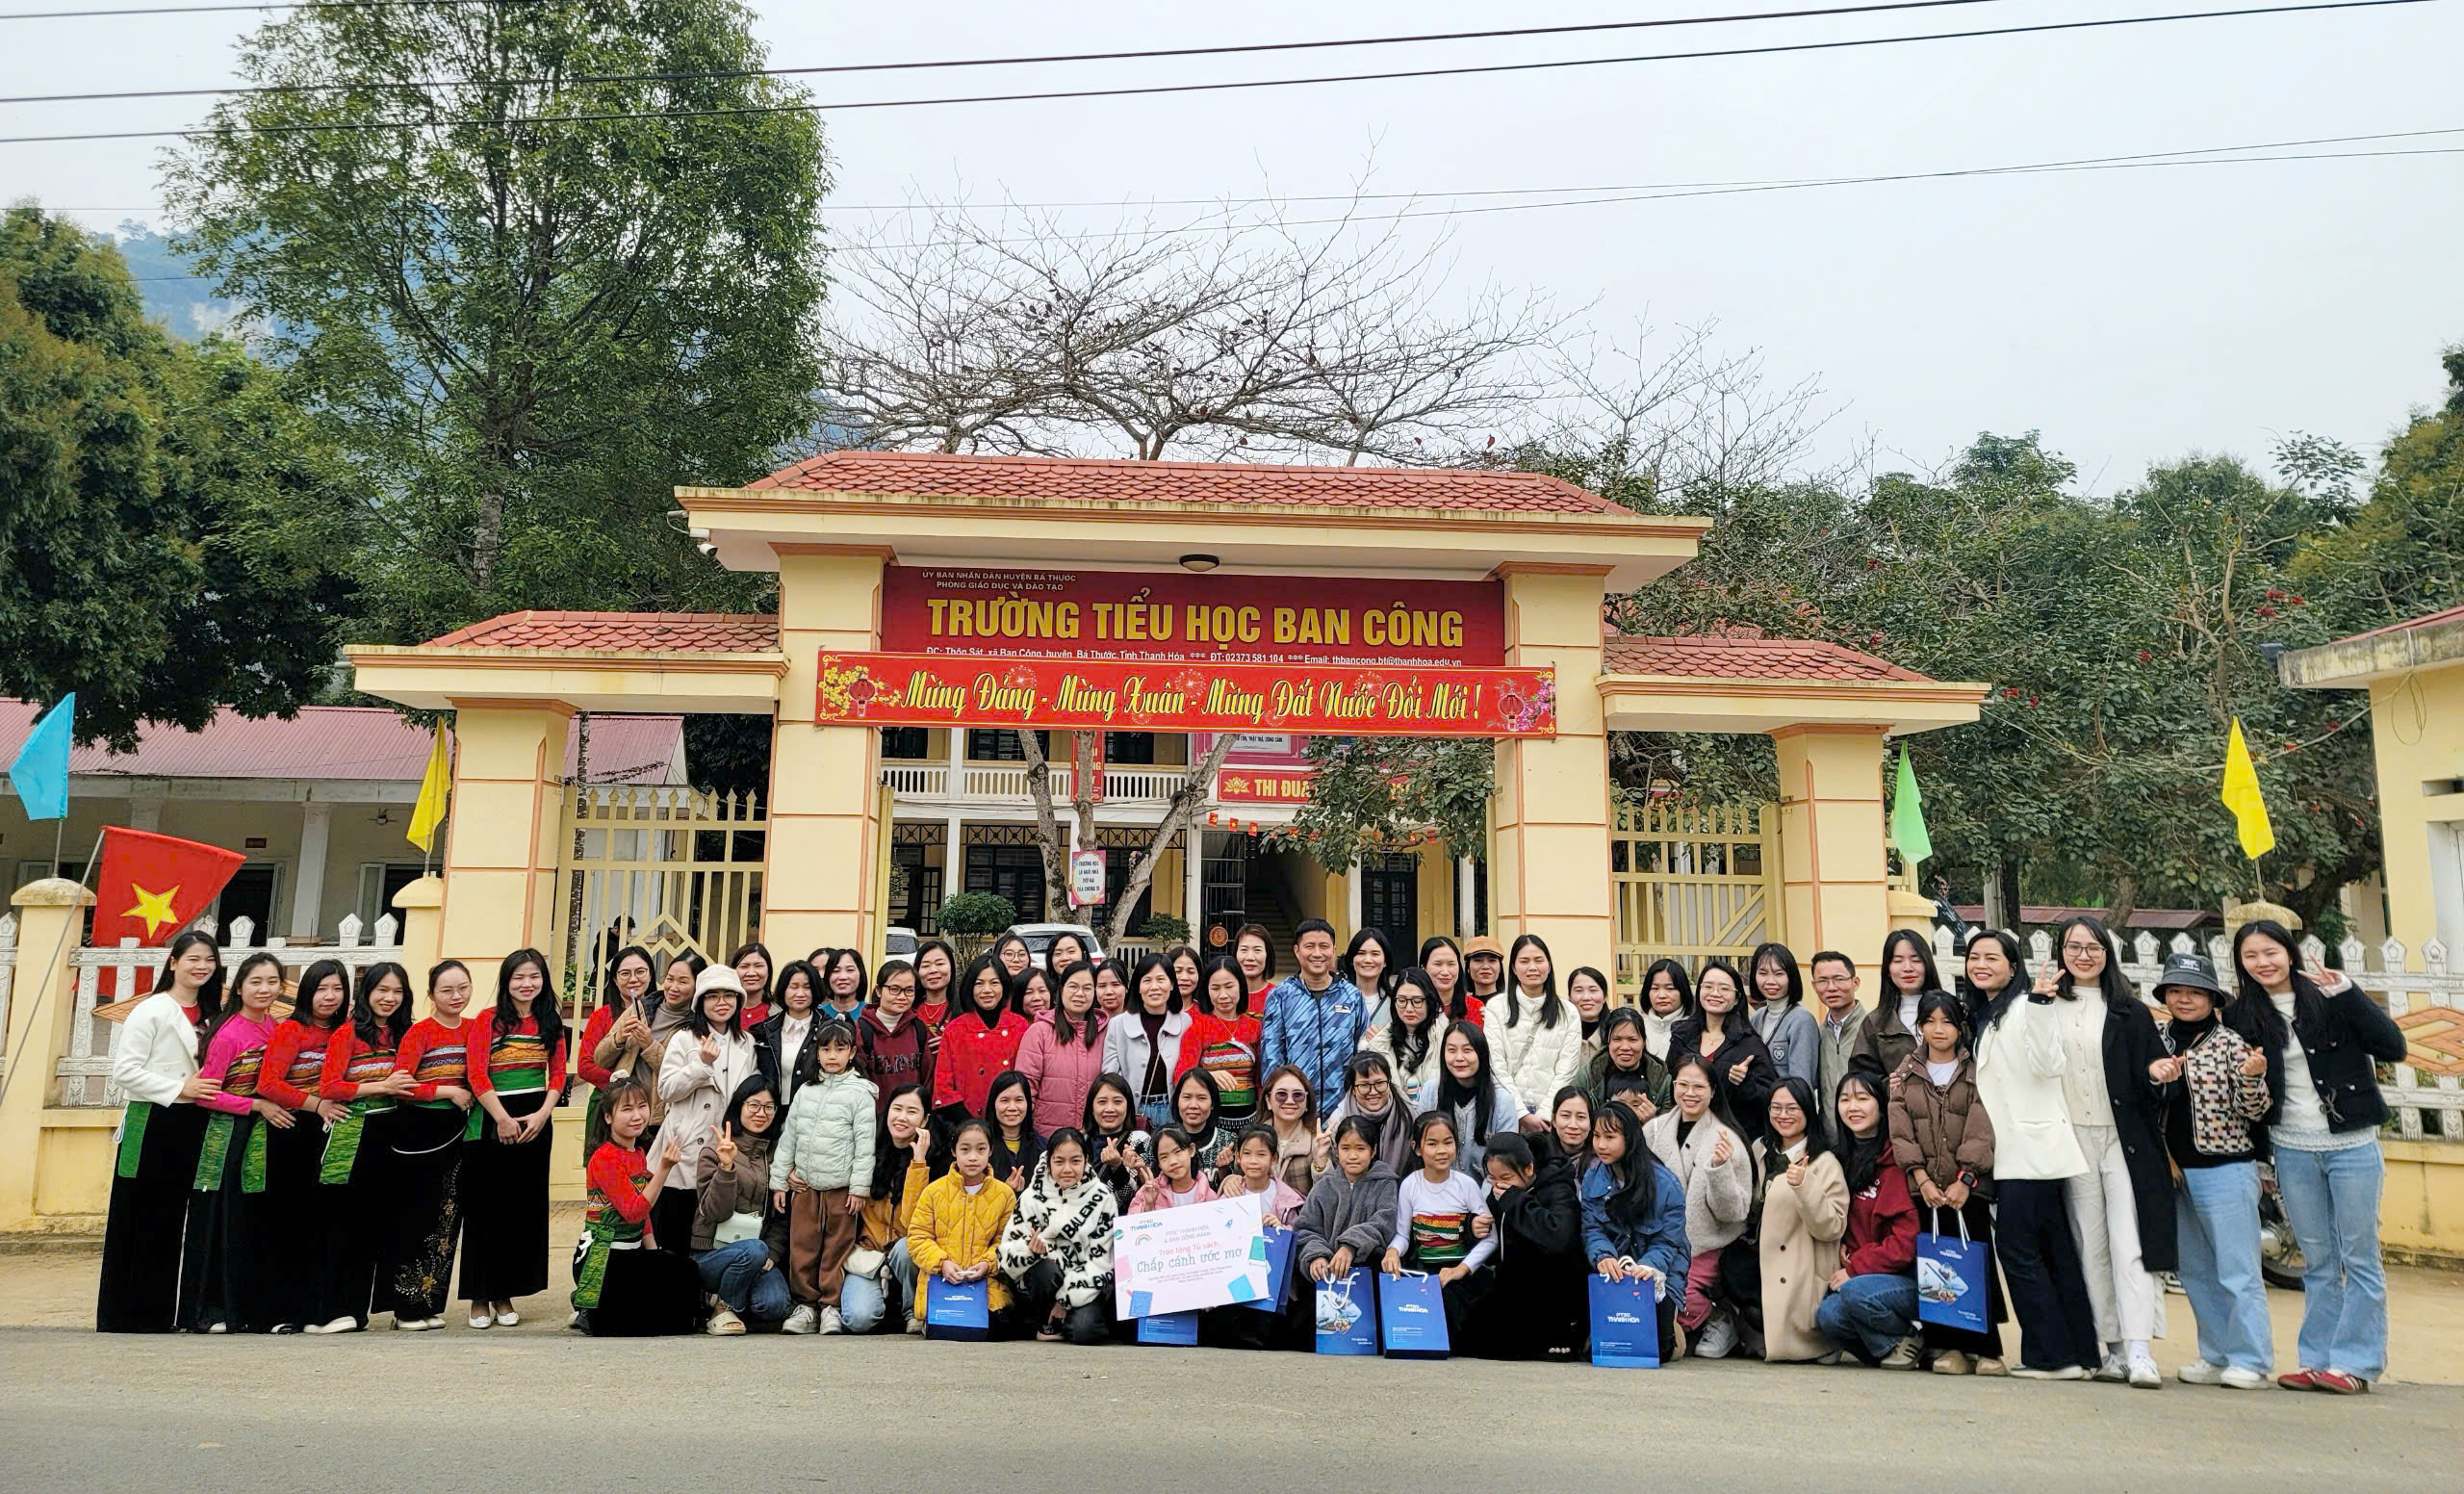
430 811
2242 796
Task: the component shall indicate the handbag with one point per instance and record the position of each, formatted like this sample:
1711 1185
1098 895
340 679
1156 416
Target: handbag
1950 1278
1346 1316
866 1263
1625 1322
1276 1244
1178 1329
1411 1316
962 1312
735 1227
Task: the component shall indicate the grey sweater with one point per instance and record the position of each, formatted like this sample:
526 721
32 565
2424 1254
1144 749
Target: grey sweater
1342 1212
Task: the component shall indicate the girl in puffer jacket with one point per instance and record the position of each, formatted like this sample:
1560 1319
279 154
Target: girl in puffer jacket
1058 1247
823 1167
1942 1137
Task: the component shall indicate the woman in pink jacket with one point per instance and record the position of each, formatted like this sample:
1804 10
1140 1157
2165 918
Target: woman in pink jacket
1062 1054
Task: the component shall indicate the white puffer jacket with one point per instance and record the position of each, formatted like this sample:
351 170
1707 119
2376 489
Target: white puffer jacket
1535 1062
828 1136
1077 1230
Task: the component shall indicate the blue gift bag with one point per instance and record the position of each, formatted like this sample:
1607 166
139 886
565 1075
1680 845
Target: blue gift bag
1276 1244
1950 1278
1625 1324
1411 1316
1176 1329
1347 1313
960 1312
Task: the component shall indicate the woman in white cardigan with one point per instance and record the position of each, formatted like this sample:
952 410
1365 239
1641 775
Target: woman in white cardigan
154 1064
1699 1139
705 1059
1534 1036
2020 1059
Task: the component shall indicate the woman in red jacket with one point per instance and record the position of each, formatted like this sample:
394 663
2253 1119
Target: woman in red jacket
359 1075
516 1070
978 1043
291 1076
1871 1311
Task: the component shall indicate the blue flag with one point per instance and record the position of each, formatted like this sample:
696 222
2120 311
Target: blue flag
40 772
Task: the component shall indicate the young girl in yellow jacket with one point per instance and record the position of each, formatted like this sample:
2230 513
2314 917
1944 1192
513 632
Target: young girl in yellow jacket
954 1232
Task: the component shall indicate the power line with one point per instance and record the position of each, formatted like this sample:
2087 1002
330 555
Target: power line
615 117
2209 155
1147 55
212 10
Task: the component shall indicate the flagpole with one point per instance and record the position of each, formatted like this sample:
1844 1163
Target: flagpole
35 1012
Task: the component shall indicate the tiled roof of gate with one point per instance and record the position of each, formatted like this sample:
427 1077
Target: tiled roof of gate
337 742
1747 658
932 475
679 632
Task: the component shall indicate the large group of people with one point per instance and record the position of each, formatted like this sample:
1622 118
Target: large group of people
803 1147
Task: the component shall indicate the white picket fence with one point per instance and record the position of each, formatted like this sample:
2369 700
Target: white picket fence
2426 1105
85 1070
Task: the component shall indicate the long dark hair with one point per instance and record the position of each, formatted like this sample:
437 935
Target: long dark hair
769 969
1985 1011
1861 1157
363 1021
963 991
1739 1015
1774 951
1949 1006
890 1159
1686 1005
830 963
1265 941
239 978
1129 1109
1458 1007
1052 950
2260 1019
303 1005
949 992
2110 984
603 1115
1087 1033
1363 935
1637 1190
649 965
543 1006
1207 971
1924 953
1551 1010
1205 1081
1452 1093
699 1021
1775 1151
1411 1043
747 1088
1138 977
209 997
814 985
1719 1109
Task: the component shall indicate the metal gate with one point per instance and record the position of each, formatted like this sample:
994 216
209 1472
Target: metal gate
670 868
1693 882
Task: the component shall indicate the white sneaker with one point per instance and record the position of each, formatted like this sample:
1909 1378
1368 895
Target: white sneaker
2144 1373
724 1324
799 1321
2234 1378
915 1328
2066 1371
2199 1372
341 1325
1719 1338
1904 1355
831 1321
2113 1370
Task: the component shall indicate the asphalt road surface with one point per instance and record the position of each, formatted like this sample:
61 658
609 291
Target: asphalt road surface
546 1413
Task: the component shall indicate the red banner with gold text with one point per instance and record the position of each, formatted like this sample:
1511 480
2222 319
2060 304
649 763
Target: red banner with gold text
922 689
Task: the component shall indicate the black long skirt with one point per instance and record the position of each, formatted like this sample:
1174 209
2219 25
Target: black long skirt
416 1260
359 1210
505 1214
647 1294
672 1215
299 1220
151 1181
233 1268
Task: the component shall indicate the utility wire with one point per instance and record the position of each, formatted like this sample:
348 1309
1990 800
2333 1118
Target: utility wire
2203 156
357 126
213 9
1147 55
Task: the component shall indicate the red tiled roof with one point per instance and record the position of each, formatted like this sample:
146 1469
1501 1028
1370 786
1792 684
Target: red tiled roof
1746 659
2452 614
337 742
933 474
681 633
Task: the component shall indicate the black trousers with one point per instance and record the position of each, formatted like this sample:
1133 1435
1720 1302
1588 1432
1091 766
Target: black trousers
1091 1324
2041 1267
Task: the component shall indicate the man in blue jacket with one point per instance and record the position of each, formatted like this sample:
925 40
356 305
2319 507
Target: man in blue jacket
1314 1016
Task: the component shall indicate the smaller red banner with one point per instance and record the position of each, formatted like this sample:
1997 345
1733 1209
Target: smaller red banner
1262 785
922 689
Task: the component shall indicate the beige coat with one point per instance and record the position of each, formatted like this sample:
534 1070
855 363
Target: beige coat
1802 1224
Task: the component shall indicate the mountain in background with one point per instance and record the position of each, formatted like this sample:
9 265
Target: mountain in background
186 305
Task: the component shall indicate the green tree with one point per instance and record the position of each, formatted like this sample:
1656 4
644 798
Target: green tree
170 522
1376 793
2403 554
531 264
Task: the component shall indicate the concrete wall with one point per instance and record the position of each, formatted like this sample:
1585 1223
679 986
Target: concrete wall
2417 733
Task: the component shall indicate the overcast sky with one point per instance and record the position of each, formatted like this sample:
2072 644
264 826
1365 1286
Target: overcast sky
2131 315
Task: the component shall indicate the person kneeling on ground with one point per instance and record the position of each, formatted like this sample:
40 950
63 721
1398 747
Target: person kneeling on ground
1871 1311
740 1240
624 1285
1059 1246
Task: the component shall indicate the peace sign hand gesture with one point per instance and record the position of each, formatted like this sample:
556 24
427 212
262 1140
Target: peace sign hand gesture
725 1149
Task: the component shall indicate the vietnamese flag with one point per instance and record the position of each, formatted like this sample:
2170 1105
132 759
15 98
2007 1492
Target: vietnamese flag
152 886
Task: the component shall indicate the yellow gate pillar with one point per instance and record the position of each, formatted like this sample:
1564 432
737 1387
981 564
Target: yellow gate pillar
500 842
1551 873
420 904
1832 880
826 826
43 1009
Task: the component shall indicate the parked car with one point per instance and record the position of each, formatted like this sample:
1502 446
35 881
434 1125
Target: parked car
1039 937
898 944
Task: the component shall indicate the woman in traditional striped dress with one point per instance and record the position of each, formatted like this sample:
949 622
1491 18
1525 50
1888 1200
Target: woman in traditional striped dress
355 1171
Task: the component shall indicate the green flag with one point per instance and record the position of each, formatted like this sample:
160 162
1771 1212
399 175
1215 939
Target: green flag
1908 816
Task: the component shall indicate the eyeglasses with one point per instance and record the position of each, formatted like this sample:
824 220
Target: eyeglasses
1288 1095
2089 948
1368 1082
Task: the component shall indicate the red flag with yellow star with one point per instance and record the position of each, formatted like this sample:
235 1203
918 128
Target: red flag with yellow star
152 886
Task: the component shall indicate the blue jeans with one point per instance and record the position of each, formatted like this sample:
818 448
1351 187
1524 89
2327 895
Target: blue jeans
1870 1315
2215 1216
740 1275
2331 1200
862 1302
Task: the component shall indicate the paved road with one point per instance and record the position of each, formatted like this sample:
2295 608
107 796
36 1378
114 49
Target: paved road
547 1413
